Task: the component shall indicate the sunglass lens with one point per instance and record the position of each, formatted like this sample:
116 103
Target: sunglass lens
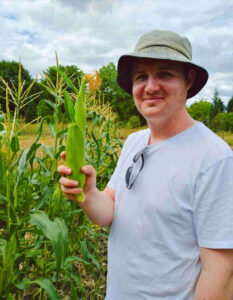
127 176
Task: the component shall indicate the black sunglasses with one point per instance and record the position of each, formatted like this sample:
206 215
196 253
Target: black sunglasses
133 171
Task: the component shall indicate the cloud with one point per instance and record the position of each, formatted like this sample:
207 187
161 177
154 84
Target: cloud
93 33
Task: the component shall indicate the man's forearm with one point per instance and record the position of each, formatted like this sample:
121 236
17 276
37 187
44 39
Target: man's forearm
99 207
214 287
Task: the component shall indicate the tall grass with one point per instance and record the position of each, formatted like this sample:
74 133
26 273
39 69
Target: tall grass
48 248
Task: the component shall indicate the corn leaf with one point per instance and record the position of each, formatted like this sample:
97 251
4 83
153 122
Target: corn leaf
48 150
52 93
66 79
15 144
22 165
56 232
69 107
44 284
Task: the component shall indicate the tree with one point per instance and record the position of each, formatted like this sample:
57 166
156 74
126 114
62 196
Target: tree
9 72
200 111
122 103
217 105
230 121
220 122
230 105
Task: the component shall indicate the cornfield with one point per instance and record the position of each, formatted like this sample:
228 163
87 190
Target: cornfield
49 249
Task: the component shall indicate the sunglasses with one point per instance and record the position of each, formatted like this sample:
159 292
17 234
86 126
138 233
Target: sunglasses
134 170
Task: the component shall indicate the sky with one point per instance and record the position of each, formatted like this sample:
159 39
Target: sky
92 33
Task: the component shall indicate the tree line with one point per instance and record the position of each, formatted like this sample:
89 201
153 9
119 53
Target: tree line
214 114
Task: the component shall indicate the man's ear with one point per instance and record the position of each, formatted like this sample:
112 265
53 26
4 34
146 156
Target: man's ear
191 78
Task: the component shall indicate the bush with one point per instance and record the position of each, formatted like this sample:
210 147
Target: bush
133 122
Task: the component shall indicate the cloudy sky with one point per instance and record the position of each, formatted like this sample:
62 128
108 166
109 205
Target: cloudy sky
92 33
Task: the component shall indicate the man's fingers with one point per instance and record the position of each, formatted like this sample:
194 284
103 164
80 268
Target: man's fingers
71 191
68 182
63 170
71 197
63 155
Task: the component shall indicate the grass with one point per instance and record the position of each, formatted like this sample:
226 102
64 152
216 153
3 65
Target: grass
227 136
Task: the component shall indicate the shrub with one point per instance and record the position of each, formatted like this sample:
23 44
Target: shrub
133 122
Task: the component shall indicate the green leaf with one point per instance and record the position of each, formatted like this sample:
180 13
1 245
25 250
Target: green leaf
51 125
75 258
39 130
44 284
22 165
15 144
84 250
56 232
66 79
52 93
69 107
50 103
48 150
73 294
1 123
32 153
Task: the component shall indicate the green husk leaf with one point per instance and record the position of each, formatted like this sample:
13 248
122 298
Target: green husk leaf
80 108
75 156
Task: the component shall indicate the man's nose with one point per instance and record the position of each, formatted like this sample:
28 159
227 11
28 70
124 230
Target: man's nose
152 85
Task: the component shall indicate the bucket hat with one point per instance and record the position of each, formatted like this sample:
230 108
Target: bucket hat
162 45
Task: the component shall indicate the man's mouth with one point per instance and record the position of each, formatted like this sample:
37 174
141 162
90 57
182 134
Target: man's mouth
153 99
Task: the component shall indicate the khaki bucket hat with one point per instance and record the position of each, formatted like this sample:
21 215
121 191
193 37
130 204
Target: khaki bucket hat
162 45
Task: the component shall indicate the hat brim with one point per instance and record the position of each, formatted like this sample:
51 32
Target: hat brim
125 62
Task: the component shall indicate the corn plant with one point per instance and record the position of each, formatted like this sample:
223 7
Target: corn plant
48 247
12 175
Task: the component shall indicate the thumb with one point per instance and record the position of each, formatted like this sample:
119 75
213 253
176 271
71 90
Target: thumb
90 178
88 170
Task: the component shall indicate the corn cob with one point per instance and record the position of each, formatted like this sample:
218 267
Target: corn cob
75 146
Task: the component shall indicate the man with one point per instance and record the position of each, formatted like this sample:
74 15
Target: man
170 199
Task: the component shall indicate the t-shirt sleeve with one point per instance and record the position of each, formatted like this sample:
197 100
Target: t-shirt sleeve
213 206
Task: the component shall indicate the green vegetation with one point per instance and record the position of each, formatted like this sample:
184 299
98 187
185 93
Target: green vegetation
215 115
133 122
48 248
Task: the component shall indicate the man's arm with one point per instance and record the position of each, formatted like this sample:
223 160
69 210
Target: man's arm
99 206
216 278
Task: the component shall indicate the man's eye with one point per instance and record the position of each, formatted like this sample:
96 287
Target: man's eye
140 77
165 75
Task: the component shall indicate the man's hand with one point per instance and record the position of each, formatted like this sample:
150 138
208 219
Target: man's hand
70 187
98 206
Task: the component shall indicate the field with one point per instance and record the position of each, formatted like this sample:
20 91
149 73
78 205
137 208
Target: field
27 135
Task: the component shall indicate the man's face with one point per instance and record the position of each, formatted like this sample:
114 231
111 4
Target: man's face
159 88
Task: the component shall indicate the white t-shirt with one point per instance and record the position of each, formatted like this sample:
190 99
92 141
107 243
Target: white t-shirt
181 200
